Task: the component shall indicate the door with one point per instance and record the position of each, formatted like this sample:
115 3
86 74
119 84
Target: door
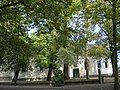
75 73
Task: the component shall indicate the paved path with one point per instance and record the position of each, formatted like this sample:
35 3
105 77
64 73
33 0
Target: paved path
67 87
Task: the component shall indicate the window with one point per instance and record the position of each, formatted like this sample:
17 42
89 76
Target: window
106 64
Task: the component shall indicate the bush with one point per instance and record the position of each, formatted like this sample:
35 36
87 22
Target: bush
58 78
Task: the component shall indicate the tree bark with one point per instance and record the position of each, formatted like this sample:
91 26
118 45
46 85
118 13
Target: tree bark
87 68
114 52
66 72
16 74
49 72
87 73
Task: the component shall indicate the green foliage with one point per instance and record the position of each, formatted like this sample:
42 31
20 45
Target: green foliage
56 38
98 51
58 78
41 52
65 55
14 50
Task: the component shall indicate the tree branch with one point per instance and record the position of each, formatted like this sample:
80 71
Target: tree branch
110 2
12 4
29 7
118 23
102 29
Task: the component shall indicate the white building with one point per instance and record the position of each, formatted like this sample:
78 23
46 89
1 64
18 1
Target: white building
77 71
106 68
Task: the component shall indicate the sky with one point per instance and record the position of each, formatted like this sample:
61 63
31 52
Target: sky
96 30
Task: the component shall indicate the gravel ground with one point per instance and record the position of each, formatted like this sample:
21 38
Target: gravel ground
67 87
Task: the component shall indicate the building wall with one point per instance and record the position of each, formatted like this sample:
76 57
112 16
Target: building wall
93 70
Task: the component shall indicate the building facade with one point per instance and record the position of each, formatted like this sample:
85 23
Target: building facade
77 71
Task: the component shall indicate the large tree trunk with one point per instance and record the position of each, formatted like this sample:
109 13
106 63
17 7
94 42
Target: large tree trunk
49 72
87 68
114 52
66 72
87 73
114 63
111 57
115 72
16 74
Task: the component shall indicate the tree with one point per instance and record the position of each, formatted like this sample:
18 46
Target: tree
15 43
66 57
17 15
58 24
108 22
15 53
82 36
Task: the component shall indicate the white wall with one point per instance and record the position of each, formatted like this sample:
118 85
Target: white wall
93 68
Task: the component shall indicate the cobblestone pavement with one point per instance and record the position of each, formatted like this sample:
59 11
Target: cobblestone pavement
67 87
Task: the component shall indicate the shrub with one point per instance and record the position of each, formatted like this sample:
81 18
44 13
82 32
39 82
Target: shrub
58 78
